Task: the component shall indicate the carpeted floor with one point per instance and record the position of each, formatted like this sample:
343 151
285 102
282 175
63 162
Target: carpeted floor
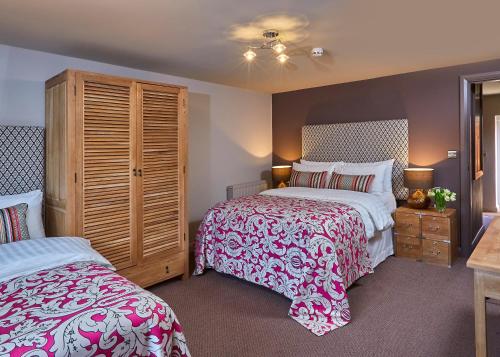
405 309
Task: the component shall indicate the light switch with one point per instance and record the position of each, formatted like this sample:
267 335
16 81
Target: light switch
452 154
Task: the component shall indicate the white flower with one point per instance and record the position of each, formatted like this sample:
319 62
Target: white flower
447 191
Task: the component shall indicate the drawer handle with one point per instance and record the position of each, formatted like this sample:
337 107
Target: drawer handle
434 228
407 225
436 252
167 270
407 246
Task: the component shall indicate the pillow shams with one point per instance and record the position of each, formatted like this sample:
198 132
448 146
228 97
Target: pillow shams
313 179
316 168
34 219
323 164
13 226
388 164
377 184
360 183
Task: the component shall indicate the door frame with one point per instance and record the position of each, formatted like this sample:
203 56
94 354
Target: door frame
465 159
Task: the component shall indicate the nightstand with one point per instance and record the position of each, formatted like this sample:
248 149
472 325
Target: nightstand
426 235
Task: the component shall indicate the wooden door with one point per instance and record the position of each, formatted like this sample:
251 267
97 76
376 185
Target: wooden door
160 170
476 164
106 133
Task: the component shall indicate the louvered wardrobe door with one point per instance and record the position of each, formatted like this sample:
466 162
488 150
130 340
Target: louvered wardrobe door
108 136
160 155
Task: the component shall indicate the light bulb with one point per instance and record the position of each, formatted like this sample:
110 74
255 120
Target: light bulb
279 47
249 55
282 58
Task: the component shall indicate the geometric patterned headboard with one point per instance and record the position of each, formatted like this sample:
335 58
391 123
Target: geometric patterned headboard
361 142
22 164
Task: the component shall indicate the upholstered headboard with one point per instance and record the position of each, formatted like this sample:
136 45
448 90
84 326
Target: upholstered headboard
21 159
361 142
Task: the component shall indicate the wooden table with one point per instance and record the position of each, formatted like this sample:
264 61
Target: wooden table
485 260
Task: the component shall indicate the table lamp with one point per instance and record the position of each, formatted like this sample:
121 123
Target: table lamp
281 174
418 180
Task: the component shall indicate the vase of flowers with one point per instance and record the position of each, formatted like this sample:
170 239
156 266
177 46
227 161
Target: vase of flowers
441 197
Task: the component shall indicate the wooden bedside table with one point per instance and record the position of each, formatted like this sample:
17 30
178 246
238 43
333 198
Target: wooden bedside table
426 235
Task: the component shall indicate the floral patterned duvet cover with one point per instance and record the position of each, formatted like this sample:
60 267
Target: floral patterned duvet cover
85 309
310 251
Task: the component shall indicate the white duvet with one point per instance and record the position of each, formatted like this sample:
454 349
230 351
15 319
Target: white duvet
29 256
373 208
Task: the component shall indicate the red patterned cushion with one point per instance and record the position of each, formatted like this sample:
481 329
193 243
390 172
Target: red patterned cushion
308 179
13 223
359 183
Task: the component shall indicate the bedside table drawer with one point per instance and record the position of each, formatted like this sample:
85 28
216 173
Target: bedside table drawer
436 252
408 247
407 224
437 228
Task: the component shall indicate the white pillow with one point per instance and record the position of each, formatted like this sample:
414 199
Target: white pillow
378 170
34 219
322 164
388 164
315 168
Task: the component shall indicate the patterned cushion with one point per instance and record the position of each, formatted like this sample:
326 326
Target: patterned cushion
359 183
13 224
308 179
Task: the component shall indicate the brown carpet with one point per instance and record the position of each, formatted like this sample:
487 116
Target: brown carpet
405 309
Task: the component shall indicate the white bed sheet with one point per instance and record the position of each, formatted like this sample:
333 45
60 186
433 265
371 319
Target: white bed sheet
380 247
388 199
29 256
373 210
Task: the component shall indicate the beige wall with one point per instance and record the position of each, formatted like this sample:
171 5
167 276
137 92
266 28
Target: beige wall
229 128
491 107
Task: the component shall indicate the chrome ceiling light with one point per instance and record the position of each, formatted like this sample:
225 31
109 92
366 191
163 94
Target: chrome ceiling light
271 42
249 55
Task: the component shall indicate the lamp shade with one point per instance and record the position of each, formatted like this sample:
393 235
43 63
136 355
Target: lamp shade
422 178
281 173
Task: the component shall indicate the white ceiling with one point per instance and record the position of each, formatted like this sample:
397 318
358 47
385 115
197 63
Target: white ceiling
203 39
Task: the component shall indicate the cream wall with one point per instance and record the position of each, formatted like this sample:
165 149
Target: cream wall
229 128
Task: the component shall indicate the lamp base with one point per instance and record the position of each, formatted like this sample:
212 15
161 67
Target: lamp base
282 184
418 199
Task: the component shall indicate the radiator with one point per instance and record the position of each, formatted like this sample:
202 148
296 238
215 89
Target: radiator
246 189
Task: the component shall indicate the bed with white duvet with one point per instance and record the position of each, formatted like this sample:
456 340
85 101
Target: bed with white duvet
60 297
309 242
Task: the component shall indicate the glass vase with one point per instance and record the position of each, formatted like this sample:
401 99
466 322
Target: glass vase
440 204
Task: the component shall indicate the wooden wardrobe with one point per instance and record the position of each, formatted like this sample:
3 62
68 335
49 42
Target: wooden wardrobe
116 170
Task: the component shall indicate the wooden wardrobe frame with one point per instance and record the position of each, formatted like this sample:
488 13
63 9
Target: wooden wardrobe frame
64 115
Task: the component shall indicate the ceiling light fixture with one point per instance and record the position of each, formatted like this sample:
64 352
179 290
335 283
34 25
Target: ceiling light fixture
249 55
279 47
282 58
271 42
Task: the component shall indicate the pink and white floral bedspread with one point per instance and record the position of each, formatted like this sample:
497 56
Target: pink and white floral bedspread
310 251
85 309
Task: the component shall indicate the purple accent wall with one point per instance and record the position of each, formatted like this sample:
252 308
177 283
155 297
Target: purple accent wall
429 99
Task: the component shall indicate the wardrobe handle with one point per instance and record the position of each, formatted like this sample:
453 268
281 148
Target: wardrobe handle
140 172
135 172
